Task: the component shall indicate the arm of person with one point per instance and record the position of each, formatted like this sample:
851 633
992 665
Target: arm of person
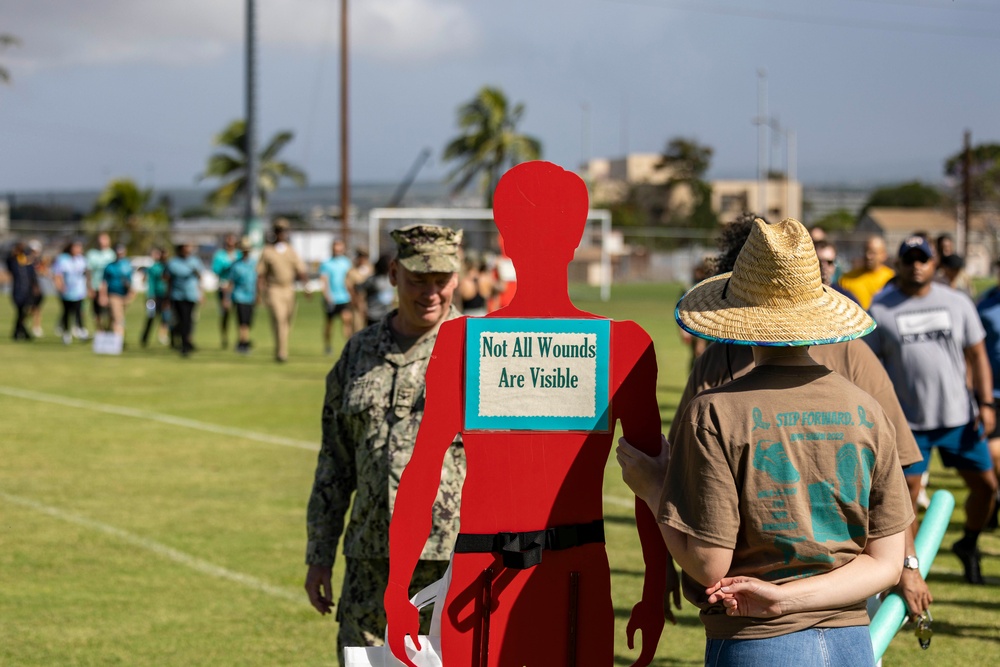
637 408
334 484
873 570
978 363
418 485
912 587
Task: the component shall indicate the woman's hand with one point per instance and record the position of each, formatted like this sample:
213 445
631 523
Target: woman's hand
747 596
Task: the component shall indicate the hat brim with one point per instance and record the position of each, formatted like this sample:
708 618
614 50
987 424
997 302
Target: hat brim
828 318
431 263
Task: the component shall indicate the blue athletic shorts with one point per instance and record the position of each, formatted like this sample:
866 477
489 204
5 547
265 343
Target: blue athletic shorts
962 448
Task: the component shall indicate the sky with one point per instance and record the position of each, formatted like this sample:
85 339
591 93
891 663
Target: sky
873 91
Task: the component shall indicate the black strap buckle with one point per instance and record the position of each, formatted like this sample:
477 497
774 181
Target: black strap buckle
521 551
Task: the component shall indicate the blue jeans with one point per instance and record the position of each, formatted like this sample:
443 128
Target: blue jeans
815 647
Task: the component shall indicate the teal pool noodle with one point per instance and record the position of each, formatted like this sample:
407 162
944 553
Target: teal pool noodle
892 614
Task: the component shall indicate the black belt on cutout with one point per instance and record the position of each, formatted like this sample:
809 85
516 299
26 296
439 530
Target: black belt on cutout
523 550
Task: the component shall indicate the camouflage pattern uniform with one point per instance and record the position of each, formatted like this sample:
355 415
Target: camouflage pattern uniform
372 411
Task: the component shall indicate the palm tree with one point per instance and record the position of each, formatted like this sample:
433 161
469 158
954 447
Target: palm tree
687 161
489 143
5 41
229 165
123 211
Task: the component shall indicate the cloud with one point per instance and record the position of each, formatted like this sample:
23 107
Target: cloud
56 33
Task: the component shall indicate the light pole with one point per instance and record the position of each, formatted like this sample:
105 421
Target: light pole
253 227
345 174
762 123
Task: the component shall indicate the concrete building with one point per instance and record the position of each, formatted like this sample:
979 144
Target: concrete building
609 181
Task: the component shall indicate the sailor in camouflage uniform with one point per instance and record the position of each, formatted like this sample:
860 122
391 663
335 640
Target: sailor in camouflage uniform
371 414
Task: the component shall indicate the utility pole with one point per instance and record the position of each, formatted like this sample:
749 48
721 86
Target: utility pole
345 174
965 220
252 224
762 125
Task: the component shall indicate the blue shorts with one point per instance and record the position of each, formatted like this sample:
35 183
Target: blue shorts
961 448
814 647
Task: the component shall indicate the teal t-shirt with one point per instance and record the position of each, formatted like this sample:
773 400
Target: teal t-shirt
118 276
184 278
222 262
335 269
243 278
96 261
156 285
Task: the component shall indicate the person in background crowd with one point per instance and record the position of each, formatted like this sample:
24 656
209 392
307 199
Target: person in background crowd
278 268
183 273
867 281
378 292
475 288
24 287
827 254
157 303
952 273
97 259
221 263
944 244
44 277
69 273
116 288
360 271
930 339
336 297
243 281
989 313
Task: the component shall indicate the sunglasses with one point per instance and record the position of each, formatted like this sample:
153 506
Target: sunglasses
910 260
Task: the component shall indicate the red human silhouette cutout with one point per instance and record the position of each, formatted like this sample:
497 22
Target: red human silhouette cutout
558 612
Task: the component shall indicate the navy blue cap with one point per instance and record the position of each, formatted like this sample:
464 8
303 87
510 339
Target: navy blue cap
916 243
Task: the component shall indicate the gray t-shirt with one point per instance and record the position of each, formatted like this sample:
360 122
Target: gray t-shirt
922 341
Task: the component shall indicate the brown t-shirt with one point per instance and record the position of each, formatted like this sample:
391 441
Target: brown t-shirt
279 268
853 360
792 467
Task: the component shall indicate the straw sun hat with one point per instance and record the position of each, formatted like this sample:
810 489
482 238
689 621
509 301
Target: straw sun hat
774 296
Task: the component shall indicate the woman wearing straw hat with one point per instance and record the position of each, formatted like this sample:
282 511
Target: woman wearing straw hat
783 501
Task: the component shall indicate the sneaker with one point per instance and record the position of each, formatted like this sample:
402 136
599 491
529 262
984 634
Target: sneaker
81 333
37 332
67 338
970 562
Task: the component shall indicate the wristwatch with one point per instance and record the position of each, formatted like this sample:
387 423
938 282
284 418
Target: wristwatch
911 563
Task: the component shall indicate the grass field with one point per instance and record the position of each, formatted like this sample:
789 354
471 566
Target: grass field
152 508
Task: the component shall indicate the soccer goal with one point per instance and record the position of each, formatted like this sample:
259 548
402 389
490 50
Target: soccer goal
481 234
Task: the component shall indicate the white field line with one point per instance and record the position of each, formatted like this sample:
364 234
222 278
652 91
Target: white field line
619 502
158 417
197 425
159 549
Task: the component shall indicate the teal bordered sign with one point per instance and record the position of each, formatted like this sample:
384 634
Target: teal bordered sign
537 374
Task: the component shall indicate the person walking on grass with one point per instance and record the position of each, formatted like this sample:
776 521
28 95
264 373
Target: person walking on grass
157 303
183 272
97 259
931 342
24 288
69 274
278 268
336 296
222 262
116 288
243 286
373 408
